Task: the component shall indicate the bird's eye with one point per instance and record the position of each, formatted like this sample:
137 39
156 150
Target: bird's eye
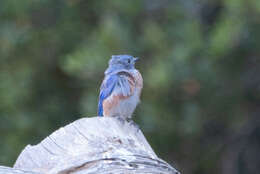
128 60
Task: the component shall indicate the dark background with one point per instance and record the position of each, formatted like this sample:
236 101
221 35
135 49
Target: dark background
199 59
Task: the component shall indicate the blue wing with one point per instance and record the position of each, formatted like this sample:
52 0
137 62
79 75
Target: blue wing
105 91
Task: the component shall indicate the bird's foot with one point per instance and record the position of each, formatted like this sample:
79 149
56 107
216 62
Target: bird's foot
132 123
120 119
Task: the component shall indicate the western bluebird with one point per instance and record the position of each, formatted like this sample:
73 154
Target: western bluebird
121 88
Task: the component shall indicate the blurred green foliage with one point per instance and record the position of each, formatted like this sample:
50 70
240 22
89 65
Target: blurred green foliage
199 59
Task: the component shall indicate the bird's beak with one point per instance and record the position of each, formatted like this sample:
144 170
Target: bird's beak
135 59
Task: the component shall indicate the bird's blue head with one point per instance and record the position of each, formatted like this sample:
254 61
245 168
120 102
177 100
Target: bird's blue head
121 62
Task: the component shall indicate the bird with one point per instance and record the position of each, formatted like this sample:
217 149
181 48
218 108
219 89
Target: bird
121 88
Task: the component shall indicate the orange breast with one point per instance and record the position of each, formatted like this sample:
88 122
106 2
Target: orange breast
135 81
138 79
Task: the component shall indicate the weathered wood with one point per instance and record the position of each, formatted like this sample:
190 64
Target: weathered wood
93 145
8 170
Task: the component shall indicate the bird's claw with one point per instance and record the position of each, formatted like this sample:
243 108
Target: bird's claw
132 123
